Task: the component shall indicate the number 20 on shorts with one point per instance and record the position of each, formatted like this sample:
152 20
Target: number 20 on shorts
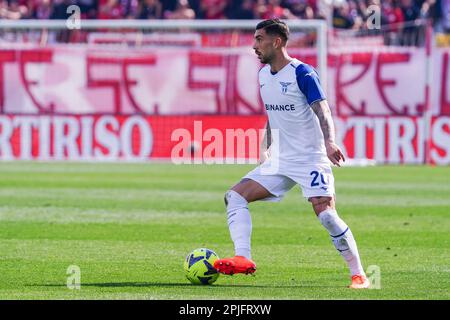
316 182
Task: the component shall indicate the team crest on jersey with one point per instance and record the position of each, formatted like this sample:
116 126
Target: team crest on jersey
284 86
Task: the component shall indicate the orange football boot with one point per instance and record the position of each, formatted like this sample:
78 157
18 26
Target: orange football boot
237 264
359 282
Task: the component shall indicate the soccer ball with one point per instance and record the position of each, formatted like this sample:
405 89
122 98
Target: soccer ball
199 266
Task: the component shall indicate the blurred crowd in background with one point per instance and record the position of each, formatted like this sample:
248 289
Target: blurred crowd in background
399 18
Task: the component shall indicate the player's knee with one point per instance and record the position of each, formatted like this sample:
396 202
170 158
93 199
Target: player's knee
321 203
234 199
320 200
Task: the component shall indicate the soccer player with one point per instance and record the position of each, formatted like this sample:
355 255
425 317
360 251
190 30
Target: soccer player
300 153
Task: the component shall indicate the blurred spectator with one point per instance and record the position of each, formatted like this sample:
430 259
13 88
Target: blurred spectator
392 15
129 8
109 9
182 11
402 20
242 9
301 9
195 5
42 10
260 9
213 9
149 9
434 10
117 9
169 5
445 9
410 31
88 8
12 9
342 18
358 13
392 19
268 9
59 10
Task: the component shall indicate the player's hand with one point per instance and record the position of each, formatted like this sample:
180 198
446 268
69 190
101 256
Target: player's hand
334 153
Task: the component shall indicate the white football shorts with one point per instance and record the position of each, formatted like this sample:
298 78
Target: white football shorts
315 180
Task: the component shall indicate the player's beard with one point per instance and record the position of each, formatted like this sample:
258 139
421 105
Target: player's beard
266 59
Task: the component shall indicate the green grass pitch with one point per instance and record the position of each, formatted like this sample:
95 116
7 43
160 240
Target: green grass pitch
129 227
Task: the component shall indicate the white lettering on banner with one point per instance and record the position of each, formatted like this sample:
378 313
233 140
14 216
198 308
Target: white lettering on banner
420 140
25 125
106 138
6 130
67 129
44 138
388 140
126 138
404 143
401 142
360 124
72 138
87 123
341 129
380 140
441 138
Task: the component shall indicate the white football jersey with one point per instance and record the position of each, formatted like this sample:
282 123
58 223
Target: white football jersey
287 96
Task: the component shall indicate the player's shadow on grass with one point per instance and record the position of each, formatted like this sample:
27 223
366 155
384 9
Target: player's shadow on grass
187 285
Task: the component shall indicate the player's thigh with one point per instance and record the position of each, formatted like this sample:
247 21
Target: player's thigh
251 190
257 186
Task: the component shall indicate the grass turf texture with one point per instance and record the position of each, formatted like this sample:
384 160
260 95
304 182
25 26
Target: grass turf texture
130 226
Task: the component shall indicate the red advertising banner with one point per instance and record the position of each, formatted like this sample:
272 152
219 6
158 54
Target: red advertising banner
206 139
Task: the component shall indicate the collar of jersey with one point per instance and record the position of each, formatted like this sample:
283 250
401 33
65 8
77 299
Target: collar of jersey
272 73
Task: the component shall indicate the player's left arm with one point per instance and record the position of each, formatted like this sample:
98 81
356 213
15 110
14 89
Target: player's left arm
265 144
323 112
309 84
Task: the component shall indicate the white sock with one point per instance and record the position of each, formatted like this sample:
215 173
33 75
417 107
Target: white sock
239 223
343 240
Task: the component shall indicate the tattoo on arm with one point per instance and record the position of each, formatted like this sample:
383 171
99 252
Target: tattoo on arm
323 112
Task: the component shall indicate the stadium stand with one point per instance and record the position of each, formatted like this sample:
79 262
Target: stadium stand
400 19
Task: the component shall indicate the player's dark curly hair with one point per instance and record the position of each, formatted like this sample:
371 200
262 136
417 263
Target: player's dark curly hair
275 27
